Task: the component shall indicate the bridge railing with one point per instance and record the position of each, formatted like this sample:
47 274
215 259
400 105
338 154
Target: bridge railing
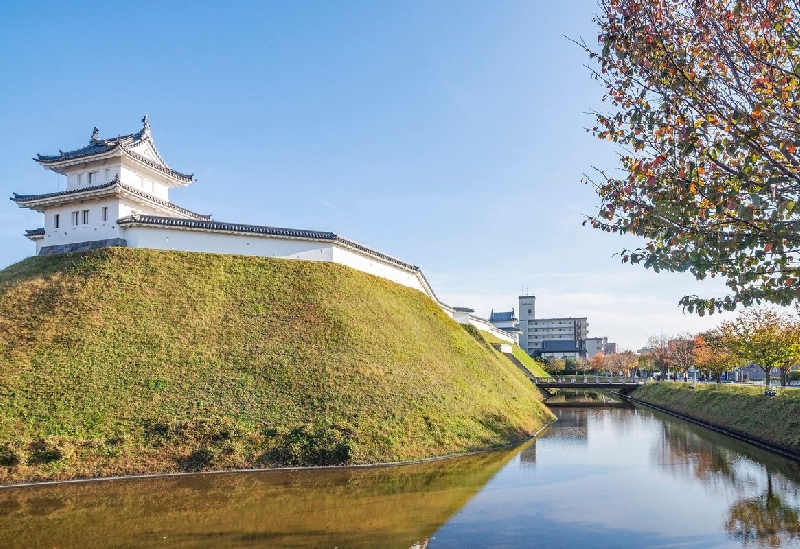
592 379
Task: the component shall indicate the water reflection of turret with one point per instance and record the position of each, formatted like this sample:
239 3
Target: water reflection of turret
528 455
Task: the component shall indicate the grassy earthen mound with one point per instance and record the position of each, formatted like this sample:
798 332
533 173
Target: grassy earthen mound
124 361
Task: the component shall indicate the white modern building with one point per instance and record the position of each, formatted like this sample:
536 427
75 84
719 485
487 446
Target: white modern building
598 345
563 337
117 194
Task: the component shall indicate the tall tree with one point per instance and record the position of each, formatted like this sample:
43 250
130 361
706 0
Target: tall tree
712 354
680 352
659 352
765 337
705 103
598 363
621 363
555 365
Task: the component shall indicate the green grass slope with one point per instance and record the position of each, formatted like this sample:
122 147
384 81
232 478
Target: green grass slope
740 407
533 367
126 361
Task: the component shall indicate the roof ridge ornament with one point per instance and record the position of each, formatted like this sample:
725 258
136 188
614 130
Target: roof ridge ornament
95 136
145 126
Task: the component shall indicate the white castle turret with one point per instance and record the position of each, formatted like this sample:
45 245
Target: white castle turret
109 180
118 195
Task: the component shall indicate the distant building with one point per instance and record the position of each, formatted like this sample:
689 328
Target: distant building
555 348
597 346
506 321
559 337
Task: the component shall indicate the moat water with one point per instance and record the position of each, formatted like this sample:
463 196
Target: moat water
599 477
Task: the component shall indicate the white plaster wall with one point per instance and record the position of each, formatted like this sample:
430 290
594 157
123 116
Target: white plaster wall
106 170
486 326
126 208
378 267
67 233
150 181
144 182
461 317
165 238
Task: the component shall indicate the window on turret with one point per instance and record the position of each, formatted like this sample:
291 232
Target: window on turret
105 213
56 221
91 178
85 216
75 218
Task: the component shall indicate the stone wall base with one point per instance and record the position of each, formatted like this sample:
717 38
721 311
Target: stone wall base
82 246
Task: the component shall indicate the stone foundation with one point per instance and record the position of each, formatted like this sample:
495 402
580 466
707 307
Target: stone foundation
83 246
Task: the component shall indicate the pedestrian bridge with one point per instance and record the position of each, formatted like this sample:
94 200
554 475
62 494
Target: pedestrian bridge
608 383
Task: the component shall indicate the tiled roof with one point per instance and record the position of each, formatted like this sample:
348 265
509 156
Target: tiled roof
30 197
34 232
502 316
463 309
560 345
219 226
23 198
99 146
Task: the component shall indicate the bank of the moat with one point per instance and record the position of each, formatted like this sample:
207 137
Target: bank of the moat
745 411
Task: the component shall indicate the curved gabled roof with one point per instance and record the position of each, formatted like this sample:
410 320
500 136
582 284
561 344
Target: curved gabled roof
31 200
125 144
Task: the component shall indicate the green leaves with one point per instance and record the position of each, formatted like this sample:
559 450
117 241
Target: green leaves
706 109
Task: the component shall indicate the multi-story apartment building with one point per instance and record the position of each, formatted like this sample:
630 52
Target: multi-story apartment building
551 337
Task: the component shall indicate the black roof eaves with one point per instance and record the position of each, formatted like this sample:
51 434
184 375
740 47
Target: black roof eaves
188 178
18 198
370 251
30 197
225 227
123 142
95 146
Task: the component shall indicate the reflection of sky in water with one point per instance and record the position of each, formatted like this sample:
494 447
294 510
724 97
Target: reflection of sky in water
632 482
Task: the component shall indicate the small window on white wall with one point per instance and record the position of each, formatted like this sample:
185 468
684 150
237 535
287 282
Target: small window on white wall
75 218
108 173
91 178
80 179
56 221
105 213
85 216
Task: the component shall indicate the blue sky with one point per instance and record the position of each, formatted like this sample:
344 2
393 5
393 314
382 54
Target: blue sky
448 134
